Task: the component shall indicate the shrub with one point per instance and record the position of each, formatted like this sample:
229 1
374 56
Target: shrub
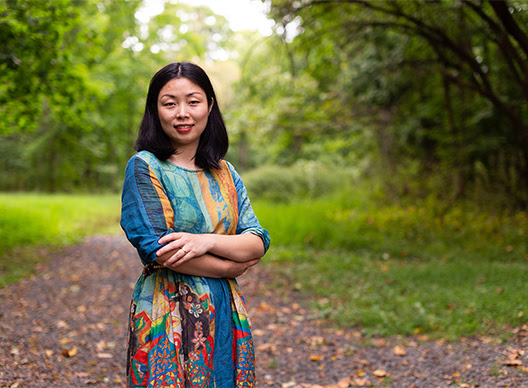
304 179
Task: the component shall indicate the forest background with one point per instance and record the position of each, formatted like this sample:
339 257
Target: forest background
384 140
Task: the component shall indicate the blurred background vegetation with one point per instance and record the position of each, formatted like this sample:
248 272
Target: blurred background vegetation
425 97
384 143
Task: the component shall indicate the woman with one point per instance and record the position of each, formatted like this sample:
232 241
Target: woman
186 211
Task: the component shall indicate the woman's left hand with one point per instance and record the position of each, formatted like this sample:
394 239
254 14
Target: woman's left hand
184 246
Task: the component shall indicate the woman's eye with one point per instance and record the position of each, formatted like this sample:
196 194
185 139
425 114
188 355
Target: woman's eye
194 102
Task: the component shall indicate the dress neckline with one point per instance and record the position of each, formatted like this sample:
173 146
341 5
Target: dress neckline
184 168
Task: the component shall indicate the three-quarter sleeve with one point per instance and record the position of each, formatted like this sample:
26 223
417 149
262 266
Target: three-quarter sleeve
247 220
146 212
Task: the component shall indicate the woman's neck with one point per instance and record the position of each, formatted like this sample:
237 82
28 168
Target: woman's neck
184 158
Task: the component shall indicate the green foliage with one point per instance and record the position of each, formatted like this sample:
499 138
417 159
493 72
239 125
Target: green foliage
429 230
75 76
185 32
29 221
407 90
304 179
400 269
439 85
30 57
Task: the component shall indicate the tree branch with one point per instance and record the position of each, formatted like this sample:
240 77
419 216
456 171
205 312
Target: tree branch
504 15
512 57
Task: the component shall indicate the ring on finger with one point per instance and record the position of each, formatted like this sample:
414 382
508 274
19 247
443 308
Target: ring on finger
184 251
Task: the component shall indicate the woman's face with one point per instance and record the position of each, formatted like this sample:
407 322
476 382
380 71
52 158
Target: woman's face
183 112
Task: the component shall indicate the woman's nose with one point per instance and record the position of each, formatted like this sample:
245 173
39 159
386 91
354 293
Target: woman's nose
181 112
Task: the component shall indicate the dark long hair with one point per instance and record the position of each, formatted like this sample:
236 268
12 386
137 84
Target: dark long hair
214 141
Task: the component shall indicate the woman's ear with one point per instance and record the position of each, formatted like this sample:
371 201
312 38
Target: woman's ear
211 106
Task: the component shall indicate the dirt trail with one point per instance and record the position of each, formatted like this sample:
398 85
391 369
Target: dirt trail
66 327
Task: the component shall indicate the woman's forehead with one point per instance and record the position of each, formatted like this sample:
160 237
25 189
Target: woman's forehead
181 87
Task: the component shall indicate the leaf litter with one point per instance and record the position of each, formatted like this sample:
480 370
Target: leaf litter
66 327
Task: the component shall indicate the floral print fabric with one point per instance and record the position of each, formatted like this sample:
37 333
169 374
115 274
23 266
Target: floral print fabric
173 318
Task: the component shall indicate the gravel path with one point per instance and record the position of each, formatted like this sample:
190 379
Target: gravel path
66 327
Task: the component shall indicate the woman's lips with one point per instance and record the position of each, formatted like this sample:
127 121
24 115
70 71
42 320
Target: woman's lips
183 128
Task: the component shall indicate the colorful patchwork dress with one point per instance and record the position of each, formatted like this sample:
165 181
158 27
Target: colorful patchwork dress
186 331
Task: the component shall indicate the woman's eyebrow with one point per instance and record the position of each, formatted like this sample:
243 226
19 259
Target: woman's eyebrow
187 95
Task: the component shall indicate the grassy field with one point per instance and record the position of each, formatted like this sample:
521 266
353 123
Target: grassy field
31 221
396 269
389 269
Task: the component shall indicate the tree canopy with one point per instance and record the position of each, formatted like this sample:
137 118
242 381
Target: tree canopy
440 85
429 96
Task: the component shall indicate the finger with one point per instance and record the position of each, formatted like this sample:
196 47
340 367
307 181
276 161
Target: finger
178 257
167 248
169 237
179 261
173 260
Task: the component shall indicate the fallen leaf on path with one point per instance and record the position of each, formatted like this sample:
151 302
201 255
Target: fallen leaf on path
399 350
515 362
360 382
264 307
267 347
513 358
361 361
380 373
316 341
344 383
423 338
100 346
515 353
379 342
69 353
105 355
296 306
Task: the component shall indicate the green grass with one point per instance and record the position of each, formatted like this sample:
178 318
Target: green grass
31 221
400 270
389 269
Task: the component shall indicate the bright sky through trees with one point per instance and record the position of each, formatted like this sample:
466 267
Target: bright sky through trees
241 14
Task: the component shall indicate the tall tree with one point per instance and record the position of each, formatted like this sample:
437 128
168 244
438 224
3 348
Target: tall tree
76 75
31 57
467 57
